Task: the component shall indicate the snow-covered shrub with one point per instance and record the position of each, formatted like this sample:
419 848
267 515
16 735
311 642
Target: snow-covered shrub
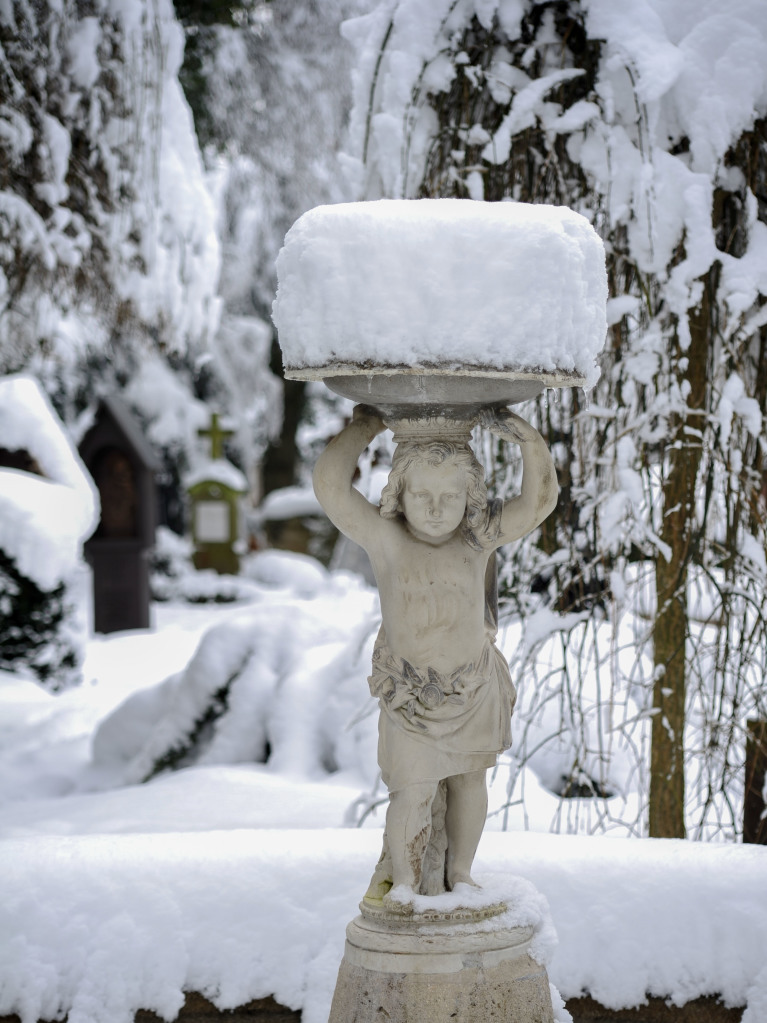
288 571
282 682
38 629
45 515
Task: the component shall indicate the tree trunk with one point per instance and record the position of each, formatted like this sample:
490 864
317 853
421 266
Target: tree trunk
678 532
281 458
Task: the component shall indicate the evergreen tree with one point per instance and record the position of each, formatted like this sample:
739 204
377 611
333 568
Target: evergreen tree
35 628
108 252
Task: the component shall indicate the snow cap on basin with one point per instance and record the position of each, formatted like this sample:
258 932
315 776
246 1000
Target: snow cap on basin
441 284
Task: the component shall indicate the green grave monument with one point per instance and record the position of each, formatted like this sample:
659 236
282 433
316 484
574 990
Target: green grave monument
215 492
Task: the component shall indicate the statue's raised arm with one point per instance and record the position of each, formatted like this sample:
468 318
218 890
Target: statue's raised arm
346 508
540 490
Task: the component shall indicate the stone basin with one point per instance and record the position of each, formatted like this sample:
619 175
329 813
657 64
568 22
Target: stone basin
454 393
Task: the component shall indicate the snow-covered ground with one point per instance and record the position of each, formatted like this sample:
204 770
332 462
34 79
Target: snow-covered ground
237 879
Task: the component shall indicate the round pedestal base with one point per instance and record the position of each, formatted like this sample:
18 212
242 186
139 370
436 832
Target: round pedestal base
415 972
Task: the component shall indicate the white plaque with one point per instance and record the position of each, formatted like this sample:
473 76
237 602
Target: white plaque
211 519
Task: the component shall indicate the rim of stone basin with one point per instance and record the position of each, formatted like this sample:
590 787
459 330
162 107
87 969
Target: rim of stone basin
458 391
549 378
460 914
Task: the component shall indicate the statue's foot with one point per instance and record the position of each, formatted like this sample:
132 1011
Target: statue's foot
399 900
464 882
377 890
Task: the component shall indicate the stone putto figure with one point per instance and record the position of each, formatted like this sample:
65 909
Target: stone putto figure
443 687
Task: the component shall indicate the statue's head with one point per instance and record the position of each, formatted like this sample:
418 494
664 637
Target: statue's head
436 486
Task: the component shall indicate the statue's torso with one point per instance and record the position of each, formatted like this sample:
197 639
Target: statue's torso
432 599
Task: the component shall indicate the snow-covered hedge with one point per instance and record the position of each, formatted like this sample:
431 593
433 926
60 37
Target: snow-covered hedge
44 519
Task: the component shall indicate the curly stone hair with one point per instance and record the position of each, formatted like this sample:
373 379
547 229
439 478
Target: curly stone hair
435 453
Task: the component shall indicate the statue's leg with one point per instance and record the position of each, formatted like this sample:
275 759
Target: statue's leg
464 820
381 881
408 825
435 858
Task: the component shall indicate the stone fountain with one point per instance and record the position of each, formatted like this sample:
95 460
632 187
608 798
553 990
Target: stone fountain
435 316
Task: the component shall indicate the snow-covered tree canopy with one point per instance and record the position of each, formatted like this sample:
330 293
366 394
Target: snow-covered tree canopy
106 228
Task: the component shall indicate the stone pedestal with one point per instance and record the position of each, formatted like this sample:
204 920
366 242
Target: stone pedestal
459 968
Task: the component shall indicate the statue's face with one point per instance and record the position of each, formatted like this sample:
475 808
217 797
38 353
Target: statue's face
433 499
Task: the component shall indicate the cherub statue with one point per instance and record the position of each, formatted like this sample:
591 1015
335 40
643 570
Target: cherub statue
444 688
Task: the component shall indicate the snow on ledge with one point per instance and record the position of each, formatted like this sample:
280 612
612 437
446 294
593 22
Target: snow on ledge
446 283
98 926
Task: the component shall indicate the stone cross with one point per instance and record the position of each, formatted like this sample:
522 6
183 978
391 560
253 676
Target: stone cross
218 435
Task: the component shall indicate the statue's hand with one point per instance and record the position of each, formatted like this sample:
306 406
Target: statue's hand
369 418
507 424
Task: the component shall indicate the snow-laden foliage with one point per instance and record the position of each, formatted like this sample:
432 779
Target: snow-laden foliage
48 507
111 233
109 257
106 228
45 513
651 120
41 632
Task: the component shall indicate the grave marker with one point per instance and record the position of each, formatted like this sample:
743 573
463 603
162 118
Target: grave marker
122 464
215 491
